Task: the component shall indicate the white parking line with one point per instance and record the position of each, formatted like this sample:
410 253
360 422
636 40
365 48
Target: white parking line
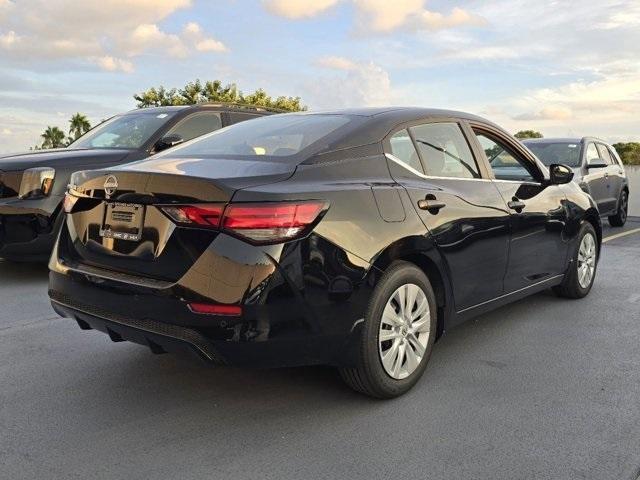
618 235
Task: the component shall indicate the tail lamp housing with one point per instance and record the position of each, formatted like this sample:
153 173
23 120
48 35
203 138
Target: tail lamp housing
258 223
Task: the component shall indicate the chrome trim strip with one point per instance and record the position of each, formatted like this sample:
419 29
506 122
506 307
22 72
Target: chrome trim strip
395 159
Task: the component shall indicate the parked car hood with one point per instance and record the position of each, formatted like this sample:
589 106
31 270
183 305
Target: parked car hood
61 157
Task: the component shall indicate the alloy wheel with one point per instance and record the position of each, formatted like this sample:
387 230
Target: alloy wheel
586 260
404 331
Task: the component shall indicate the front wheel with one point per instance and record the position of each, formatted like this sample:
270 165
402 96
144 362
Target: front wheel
579 278
620 218
397 336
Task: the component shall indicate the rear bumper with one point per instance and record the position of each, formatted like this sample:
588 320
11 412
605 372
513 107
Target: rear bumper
264 336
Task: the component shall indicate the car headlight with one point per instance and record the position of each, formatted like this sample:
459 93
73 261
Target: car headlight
36 182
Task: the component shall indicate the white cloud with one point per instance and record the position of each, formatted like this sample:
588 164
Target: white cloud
379 16
97 32
386 16
357 84
194 34
112 64
336 63
6 131
296 9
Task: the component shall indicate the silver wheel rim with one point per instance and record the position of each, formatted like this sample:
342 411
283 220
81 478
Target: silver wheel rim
586 260
404 331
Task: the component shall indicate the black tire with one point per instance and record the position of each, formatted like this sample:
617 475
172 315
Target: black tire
570 287
620 218
369 376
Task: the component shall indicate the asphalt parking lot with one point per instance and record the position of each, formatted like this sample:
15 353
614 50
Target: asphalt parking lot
543 388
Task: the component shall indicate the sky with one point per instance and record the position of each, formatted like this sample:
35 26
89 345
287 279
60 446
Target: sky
565 68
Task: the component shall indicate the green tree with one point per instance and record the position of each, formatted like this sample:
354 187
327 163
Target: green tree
53 137
78 125
522 134
629 152
213 92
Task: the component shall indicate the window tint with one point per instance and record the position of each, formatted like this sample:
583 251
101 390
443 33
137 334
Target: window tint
270 136
505 164
614 156
235 117
197 124
561 152
403 149
604 154
592 153
131 130
445 151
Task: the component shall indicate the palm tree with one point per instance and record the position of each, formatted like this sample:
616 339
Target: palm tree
78 125
53 138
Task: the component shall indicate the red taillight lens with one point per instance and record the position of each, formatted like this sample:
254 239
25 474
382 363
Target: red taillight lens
215 309
202 215
260 223
271 222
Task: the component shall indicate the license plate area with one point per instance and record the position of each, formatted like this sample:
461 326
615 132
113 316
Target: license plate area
122 221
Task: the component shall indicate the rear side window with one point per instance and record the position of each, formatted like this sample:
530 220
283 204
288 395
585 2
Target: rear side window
592 153
444 150
196 125
403 149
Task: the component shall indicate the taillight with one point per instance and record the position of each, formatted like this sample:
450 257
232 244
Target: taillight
260 223
271 222
203 215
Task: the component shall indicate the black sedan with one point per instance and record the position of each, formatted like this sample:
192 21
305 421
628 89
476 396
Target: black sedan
32 184
351 238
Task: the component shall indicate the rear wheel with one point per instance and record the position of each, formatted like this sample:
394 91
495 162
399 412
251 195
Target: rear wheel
397 336
582 270
620 218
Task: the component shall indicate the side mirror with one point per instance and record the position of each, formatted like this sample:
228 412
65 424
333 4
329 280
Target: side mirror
168 142
560 174
597 163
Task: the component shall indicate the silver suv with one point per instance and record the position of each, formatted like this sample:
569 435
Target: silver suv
597 167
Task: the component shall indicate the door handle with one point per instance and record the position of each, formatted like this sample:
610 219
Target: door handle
430 204
517 205
606 174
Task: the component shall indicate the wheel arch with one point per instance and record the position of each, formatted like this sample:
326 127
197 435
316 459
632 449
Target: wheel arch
593 217
422 252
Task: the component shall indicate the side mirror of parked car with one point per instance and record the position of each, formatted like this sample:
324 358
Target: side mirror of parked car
560 174
167 142
598 163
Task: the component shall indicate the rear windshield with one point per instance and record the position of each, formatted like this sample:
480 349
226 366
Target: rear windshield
272 136
566 153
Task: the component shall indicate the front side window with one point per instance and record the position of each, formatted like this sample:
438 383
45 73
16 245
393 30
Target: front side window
444 150
132 130
269 136
403 149
197 125
592 154
505 164
604 154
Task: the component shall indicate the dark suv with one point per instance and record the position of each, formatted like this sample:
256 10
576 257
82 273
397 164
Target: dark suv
597 168
33 184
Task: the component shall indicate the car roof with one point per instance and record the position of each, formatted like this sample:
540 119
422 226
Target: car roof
218 107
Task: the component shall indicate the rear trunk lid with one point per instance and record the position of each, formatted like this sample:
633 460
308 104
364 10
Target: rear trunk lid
117 223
